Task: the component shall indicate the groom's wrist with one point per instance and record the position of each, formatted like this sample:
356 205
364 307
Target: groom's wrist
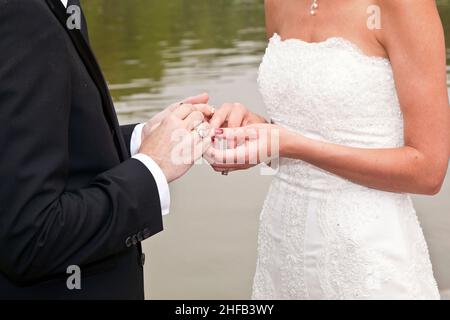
136 139
160 179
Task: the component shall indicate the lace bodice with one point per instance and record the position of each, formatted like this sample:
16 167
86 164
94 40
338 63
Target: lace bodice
321 236
331 91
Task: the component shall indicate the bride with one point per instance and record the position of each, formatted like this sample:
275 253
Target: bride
362 115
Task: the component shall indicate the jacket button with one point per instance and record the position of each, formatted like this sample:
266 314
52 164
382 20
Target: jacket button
142 260
140 237
128 242
146 233
134 240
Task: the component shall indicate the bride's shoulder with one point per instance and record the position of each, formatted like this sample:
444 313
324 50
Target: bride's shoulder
408 19
402 8
272 7
270 2
272 15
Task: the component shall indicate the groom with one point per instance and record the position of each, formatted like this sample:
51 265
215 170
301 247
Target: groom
78 193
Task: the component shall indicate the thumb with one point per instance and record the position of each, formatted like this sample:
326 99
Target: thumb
199 99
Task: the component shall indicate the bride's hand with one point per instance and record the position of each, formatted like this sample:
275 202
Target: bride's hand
250 146
234 115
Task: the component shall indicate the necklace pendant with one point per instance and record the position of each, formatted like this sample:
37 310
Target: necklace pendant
314 7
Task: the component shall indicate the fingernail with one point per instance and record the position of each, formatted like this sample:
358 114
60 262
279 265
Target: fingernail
219 131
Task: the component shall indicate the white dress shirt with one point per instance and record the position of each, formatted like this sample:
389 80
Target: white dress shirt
152 166
155 170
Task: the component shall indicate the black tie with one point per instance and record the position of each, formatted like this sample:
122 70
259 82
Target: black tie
73 3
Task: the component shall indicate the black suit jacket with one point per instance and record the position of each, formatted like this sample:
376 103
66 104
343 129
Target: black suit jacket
69 192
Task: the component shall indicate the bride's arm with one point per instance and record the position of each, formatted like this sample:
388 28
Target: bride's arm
407 169
413 37
271 10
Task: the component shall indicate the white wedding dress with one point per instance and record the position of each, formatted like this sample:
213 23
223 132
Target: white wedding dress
321 236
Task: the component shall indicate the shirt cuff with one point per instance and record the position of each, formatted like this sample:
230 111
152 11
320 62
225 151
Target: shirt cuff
161 181
136 139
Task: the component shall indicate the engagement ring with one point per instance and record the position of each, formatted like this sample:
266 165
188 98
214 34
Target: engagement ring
202 131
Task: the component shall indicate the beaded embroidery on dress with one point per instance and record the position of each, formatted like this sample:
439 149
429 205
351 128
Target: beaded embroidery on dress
321 236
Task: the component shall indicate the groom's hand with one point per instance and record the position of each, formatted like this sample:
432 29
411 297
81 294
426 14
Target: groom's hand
200 101
178 141
234 115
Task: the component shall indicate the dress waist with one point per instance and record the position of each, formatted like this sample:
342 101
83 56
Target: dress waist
300 178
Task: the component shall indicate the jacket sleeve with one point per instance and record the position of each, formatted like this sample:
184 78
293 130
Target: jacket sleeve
127 133
44 228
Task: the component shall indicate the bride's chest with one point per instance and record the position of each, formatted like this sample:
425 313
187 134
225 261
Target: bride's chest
331 77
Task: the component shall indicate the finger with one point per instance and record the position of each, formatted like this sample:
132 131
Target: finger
204 131
173 107
236 137
183 111
186 148
228 138
202 147
236 116
193 120
227 171
221 168
194 145
221 115
158 118
207 110
207 154
191 145
246 154
239 135
199 99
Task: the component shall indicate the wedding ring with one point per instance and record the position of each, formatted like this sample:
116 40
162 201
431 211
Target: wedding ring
202 131
213 110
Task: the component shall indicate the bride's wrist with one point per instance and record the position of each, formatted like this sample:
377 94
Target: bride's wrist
290 144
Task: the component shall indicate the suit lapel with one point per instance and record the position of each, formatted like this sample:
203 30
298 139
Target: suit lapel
94 70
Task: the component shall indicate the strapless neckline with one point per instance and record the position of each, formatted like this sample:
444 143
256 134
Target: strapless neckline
334 42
